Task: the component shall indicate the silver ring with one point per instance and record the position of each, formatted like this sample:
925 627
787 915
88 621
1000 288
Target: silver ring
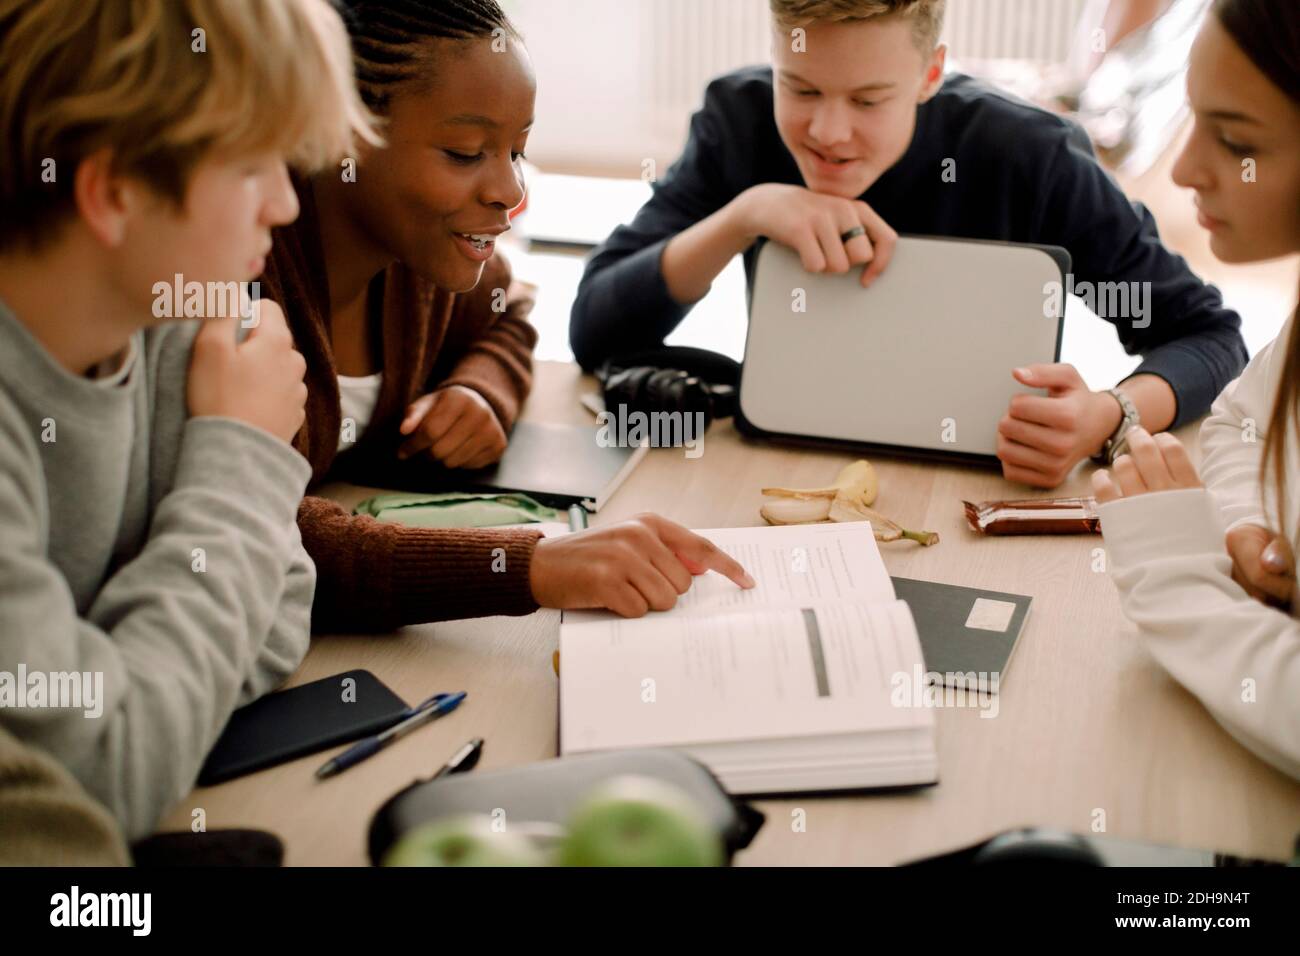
854 233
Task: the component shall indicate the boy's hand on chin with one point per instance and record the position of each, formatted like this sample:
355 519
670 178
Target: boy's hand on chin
1042 437
456 426
1153 463
258 381
814 224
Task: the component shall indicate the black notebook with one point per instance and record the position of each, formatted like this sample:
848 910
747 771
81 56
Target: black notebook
558 465
964 630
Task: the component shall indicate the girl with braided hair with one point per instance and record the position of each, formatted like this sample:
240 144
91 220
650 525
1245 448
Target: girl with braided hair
418 345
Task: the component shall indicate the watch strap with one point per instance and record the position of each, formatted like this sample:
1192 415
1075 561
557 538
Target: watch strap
1117 443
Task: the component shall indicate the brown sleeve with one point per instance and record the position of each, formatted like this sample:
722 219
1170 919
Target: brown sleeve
374 576
489 351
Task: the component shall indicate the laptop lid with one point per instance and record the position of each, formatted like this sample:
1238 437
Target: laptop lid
919 363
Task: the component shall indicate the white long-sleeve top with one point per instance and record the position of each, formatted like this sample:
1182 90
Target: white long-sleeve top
1168 560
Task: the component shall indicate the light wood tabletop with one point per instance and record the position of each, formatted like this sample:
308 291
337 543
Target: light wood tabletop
1089 731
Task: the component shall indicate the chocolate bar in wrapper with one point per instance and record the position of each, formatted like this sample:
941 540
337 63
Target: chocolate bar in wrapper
1034 516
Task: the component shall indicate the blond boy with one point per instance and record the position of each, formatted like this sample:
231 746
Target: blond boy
152 578
855 135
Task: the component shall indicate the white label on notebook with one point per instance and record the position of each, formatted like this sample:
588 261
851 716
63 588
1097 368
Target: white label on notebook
991 615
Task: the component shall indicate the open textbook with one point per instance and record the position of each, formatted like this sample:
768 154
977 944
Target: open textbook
786 687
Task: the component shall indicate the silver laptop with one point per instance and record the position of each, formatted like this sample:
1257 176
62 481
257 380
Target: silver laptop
920 362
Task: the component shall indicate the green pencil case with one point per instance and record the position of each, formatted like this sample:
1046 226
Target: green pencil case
454 509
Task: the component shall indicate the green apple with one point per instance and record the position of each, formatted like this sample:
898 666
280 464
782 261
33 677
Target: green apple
640 821
462 841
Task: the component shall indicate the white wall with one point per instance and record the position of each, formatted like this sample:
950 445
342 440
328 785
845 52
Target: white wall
618 79
591 78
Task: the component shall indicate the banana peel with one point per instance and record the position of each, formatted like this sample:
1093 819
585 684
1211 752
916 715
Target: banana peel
885 529
856 482
848 499
793 510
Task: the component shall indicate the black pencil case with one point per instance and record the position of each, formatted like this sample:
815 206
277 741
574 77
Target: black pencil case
548 792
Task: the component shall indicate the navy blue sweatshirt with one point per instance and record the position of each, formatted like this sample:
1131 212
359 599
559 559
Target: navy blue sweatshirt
1022 175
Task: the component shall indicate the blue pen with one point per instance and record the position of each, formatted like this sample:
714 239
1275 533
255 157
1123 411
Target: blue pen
431 709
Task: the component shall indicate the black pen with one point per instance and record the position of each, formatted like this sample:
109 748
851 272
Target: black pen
462 760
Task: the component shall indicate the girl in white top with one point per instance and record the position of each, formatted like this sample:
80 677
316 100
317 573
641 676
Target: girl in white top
1218 614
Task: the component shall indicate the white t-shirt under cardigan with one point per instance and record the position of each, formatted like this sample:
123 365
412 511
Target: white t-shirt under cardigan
358 396
1169 562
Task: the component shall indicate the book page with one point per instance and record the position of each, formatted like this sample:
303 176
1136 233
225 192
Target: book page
795 566
667 681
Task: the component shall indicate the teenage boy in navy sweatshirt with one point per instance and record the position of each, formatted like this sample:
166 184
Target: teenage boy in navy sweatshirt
854 136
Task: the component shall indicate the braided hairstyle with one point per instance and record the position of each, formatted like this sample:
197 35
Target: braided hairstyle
390 39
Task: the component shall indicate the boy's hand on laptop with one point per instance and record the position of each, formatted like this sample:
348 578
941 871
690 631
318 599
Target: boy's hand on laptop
1042 437
633 567
813 224
1262 563
258 381
1153 463
456 426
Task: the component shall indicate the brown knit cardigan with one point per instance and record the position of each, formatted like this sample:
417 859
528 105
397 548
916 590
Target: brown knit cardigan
374 576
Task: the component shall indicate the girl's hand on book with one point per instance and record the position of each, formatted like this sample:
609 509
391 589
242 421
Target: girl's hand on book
1153 463
631 568
456 426
1262 563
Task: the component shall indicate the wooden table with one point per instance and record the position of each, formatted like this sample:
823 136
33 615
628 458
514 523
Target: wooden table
1090 731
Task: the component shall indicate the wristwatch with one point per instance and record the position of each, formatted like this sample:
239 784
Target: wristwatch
1117 443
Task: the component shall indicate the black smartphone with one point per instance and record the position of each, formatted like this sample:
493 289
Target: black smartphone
302 720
